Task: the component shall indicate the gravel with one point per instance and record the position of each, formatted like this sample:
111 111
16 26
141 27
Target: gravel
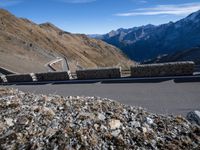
30 121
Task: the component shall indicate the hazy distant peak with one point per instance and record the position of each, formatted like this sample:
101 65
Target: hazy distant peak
113 33
194 16
148 26
144 42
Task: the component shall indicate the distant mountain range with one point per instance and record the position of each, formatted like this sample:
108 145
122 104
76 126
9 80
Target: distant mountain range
26 47
148 42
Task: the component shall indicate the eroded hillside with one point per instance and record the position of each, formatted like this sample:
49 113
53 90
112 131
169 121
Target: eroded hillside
26 47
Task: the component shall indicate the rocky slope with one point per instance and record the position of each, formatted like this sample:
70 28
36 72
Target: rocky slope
186 55
147 42
29 121
26 47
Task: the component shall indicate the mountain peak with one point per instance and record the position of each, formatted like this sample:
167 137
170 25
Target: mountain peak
193 17
113 33
149 41
4 12
50 26
149 25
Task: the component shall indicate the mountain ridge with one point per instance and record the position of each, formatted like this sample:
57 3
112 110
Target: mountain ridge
185 55
26 46
147 42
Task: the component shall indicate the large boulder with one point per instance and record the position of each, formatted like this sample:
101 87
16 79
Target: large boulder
194 117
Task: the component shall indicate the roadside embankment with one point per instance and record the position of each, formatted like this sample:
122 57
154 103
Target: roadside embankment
30 121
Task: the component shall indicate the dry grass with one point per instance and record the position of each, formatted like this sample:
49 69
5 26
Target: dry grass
26 47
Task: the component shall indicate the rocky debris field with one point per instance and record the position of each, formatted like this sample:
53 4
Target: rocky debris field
30 121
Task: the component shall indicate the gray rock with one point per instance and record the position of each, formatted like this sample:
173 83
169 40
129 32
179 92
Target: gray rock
9 121
101 116
29 121
149 120
135 124
194 117
115 133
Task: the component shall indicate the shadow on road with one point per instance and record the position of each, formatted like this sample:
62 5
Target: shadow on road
136 81
182 80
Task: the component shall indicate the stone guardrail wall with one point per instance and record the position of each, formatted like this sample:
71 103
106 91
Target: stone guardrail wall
149 70
1 80
163 69
19 78
32 77
104 73
52 76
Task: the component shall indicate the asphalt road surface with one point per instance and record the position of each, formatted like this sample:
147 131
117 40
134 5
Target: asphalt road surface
165 97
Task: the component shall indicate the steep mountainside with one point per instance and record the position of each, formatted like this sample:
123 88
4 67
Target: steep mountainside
147 42
27 47
186 55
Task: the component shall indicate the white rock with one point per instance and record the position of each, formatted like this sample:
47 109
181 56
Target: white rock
114 123
115 133
9 121
135 124
144 129
96 126
101 116
149 120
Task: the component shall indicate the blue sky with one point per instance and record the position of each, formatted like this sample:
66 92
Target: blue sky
100 16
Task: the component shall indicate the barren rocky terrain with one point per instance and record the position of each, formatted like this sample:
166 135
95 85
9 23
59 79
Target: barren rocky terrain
30 121
26 47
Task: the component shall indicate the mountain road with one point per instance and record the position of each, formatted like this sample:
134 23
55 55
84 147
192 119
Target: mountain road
165 97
